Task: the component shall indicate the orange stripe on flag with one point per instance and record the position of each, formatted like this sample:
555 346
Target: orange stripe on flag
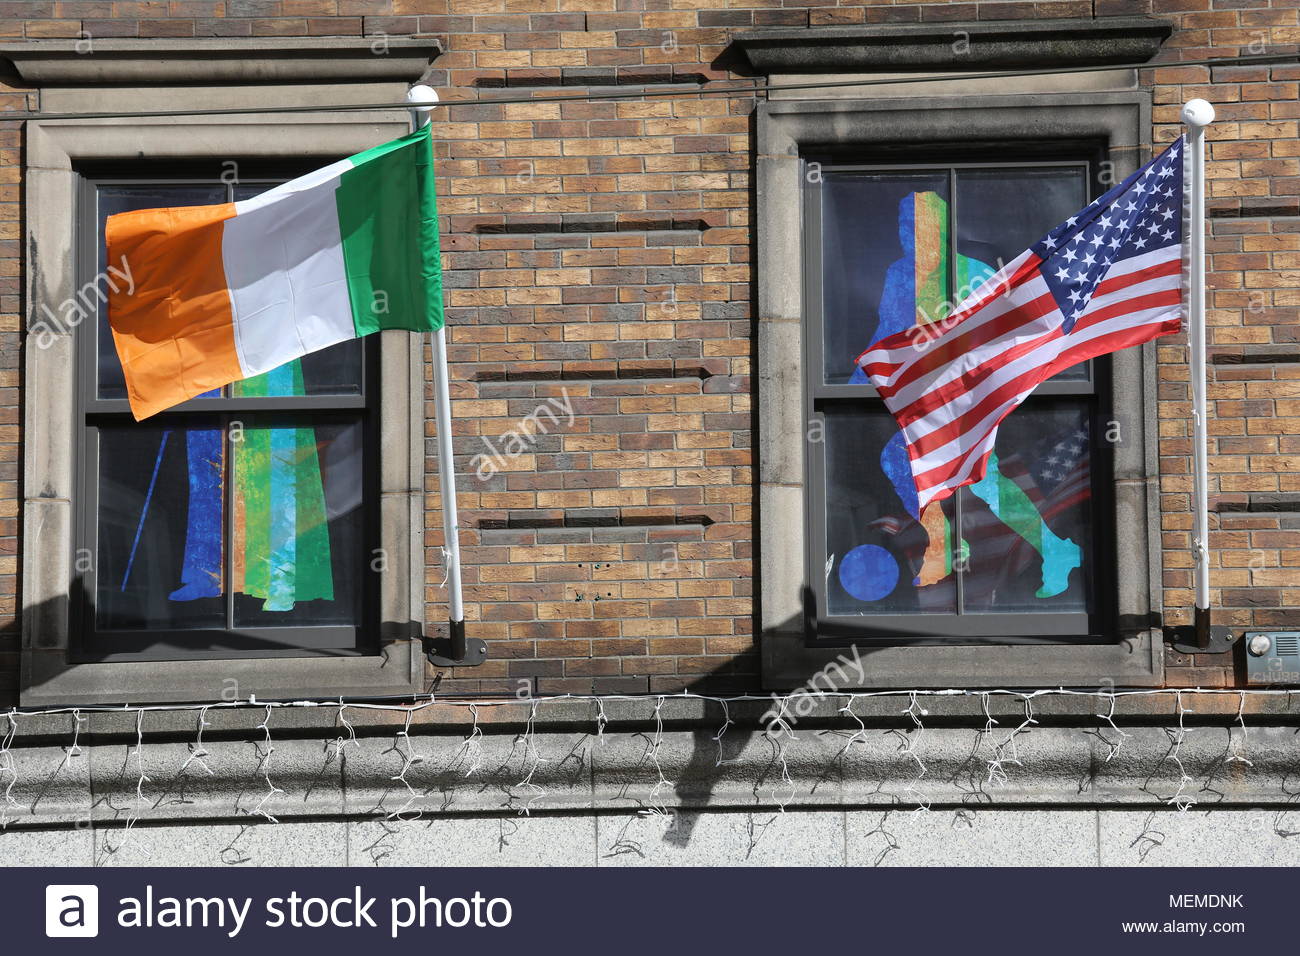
175 333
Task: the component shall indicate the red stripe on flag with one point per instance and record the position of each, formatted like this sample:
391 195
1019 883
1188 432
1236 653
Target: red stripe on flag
1169 267
968 381
1006 392
1140 303
958 345
1105 344
908 339
939 474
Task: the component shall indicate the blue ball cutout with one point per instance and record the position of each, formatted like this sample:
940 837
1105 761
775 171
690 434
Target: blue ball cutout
869 572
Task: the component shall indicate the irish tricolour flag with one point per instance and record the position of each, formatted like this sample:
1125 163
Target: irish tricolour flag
222 293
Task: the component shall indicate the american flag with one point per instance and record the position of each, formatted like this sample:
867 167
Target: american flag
1107 278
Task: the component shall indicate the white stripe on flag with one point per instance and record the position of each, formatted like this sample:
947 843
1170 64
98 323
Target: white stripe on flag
950 371
283 257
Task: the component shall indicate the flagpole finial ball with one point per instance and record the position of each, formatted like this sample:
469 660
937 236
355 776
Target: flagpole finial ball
1198 113
422 97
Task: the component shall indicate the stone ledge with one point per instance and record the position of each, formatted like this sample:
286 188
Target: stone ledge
133 62
984 44
579 772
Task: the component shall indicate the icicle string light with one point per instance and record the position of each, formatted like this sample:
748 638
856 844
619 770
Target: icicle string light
1118 742
402 745
8 769
779 732
265 752
197 750
1236 747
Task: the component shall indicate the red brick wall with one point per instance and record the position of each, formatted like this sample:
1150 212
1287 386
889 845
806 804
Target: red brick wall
602 250
1253 310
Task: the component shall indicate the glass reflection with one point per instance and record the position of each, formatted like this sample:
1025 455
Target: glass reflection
1028 522
884 261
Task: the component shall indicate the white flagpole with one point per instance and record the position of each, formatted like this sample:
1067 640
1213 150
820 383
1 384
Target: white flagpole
1197 114
457 648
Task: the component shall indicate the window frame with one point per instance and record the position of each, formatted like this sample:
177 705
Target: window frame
962 626
87 642
55 152
788 129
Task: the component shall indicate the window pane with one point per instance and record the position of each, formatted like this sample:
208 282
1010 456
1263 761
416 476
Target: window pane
290 548
1002 212
884 261
110 201
331 371
296 554
1028 522
160 563
882 557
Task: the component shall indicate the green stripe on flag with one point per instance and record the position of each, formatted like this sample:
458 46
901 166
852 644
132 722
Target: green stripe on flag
388 221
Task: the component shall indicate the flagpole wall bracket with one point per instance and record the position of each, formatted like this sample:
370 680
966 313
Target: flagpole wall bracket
455 650
1202 636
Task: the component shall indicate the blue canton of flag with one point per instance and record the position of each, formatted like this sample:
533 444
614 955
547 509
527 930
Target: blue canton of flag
1141 214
